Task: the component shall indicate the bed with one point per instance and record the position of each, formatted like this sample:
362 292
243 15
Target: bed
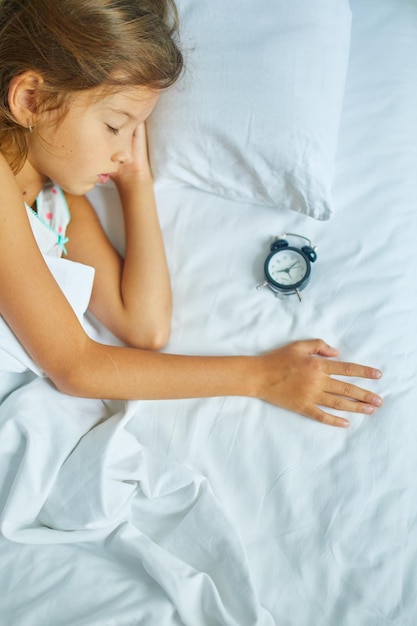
293 117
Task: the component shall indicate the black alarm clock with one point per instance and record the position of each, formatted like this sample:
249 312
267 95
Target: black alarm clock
287 267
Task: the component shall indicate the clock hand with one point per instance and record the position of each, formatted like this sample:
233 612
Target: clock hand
288 269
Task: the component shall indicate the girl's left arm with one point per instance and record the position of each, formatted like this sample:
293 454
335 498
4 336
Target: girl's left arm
131 296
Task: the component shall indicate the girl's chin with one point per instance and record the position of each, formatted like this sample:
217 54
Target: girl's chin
76 189
81 188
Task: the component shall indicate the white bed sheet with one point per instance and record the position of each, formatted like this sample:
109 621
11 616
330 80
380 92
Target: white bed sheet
246 514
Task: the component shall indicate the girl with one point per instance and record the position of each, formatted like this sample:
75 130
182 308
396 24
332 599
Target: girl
78 79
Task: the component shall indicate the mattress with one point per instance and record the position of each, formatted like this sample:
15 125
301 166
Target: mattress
228 510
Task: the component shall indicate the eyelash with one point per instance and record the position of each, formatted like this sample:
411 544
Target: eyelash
115 131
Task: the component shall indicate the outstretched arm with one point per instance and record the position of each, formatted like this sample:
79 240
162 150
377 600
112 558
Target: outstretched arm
295 377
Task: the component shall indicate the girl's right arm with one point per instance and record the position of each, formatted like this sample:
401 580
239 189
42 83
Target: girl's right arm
33 305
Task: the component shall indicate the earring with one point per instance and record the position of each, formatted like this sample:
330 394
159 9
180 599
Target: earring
30 128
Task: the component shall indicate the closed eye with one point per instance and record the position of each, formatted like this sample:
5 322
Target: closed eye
113 130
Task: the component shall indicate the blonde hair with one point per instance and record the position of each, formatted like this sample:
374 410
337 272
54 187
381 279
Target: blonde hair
77 45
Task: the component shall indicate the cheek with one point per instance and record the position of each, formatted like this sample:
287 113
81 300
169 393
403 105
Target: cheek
48 143
68 138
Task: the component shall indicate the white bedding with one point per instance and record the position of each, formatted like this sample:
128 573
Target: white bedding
227 510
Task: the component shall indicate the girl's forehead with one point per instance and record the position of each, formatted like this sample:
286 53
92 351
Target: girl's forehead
130 98
134 101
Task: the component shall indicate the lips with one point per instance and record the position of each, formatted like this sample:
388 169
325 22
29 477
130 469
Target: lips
103 178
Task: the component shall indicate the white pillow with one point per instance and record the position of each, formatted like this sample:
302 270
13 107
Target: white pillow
256 115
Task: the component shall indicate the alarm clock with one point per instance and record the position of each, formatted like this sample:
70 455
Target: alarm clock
287 267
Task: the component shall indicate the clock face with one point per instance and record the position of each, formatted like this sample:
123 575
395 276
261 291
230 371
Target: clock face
287 268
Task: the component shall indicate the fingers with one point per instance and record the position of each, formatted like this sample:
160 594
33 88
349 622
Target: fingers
339 404
339 390
336 394
341 368
140 139
140 132
305 383
344 397
328 419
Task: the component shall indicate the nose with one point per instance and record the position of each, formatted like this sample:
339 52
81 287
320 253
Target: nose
122 156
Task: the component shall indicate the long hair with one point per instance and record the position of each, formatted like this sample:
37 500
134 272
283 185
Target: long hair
77 45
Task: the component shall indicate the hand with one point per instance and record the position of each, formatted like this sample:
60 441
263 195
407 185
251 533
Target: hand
298 379
138 167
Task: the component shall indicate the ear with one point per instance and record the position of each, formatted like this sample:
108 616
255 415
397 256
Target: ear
23 97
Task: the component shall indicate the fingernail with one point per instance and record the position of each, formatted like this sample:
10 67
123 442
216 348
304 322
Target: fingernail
345 423
368 409
376 374
377 401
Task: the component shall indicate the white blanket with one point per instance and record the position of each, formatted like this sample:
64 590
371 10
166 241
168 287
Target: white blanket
70 473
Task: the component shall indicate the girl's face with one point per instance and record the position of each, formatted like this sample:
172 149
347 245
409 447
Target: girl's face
92 140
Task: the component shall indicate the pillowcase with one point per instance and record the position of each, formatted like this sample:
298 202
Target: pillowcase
256 115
